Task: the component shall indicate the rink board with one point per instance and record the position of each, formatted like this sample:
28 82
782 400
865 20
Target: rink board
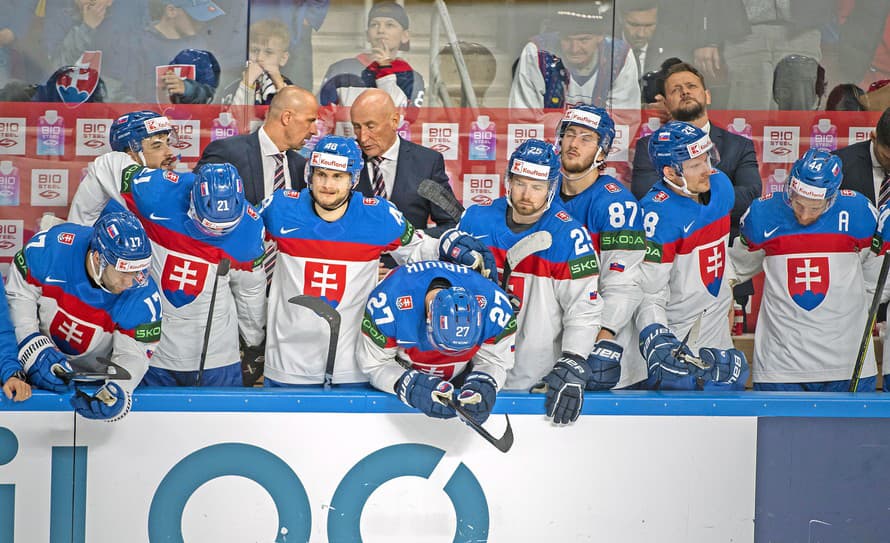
246 466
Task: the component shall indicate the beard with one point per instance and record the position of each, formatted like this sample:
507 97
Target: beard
690 112
579 167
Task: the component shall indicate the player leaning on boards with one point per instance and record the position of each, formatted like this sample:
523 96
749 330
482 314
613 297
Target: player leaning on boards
612 216
685 271
77 293
812 242
330 239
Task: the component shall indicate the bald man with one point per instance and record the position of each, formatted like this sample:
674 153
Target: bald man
394 167
290 122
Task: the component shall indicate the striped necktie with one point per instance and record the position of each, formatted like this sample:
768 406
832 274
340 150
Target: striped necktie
278 178
271 253
884 194
379 185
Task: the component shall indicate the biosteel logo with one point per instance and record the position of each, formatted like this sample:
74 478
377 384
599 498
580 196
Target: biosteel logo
528 169
329 161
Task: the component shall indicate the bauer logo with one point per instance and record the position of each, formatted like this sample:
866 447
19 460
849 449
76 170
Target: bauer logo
188 138
12 135
49 188
92 137
442 137
518 133
859 133
781 143
10 237
481 188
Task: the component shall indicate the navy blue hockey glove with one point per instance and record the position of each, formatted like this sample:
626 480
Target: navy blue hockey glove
725 365
605 365
565 388
462 248
478 395
657 345
42 362
426 393
110 402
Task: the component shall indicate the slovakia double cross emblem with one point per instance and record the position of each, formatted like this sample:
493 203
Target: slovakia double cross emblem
711 263
808 280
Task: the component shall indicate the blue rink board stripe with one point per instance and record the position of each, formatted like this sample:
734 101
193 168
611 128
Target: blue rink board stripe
740 404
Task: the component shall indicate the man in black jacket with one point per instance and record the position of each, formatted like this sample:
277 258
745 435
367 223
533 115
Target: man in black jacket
867 164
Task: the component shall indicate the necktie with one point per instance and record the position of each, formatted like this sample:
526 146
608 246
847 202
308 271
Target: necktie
638 55
278 177
271 252
379 185
885 190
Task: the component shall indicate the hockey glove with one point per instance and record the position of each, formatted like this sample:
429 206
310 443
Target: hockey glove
110 403
426 393
253 360
565 388
478 395
658 345
725 365
605 365
42 361
462 248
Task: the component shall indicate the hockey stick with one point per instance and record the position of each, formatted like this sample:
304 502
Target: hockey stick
537 241
869 324
222 268
328 313
101 368
439 195
691 335
502 443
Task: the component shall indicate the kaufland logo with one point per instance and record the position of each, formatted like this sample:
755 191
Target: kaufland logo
579 116
529 169
156 124
329 161
807 191
698 147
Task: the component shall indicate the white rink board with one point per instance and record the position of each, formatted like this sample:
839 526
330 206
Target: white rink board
606 478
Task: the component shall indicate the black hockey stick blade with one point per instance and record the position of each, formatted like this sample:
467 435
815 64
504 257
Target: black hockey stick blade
503 443
328 313
869 324
691 335
440 195
101 368
537 241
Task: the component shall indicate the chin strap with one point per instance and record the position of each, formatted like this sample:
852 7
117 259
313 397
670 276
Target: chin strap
684 188
596 164
95 274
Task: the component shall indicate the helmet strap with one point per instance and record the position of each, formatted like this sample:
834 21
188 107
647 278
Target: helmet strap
597 164
96 274
682 188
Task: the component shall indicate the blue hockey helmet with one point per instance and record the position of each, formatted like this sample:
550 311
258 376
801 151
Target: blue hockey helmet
122 243
217 199
816 175
335 153
537 160
592 118
454 321
128 130
676 142
206 65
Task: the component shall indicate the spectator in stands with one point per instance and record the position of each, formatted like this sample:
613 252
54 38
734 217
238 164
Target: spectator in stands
639 19
846 97
864 41
302 16
798 83
380 68
262 78
183 90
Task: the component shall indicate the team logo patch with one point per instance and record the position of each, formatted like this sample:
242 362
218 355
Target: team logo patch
660 197
295 194
76 84
370 201
404 303
251 212
711 263
183 280
808 280
480 299
563 216
612 187
172 177
847 192
72 335
325 280
66 238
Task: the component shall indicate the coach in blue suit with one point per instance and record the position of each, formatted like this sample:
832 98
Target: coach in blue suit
404 164
290 121
686 100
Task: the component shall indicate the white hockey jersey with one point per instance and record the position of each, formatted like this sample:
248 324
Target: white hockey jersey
101 184
561 305
818 283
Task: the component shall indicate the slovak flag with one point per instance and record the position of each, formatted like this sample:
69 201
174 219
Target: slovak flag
616 267
593 295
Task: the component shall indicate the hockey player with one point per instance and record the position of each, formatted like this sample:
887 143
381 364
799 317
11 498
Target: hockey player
12 377
684 275
557 287
812 243
78 292
195 222
612 216
432 326
330 239
140 137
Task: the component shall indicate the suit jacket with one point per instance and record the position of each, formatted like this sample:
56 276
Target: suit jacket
414 164
737 160
244 153
857 168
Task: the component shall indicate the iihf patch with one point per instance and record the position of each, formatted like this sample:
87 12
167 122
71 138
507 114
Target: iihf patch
480 299
616 267
370 201
847 192
172 177
660 197
66 238
563 216
594 295
292 194
251 212
612 187
404 303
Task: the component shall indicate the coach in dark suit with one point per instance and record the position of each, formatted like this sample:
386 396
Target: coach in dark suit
290 121
687 100
394 167
867 163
